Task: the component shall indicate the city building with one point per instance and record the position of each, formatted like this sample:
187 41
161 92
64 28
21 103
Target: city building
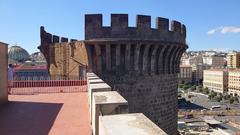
233 60
185 75
215 61
216 80
234 82
3 73
37 57
197 73
192 60
31 71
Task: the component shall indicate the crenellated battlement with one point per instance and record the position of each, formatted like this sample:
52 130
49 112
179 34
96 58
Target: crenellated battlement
119 28
48 38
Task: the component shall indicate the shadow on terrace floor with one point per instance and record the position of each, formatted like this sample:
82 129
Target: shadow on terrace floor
28 118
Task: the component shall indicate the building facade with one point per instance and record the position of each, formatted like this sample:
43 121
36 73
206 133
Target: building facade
31 71
233 60
3 73
197 73
185 75
215 61
216 80
141 63
234 82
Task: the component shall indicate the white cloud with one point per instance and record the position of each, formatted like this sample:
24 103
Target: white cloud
224 30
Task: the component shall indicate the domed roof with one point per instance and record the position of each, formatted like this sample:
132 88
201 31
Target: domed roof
17 53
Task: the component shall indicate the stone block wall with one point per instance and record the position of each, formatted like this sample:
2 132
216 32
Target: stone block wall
140 62
3 72
104 104
154 96
65 59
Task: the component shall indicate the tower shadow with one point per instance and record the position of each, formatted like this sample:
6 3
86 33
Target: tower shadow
28 118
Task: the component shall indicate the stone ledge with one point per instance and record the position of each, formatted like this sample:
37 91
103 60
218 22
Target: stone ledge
128 124
106 103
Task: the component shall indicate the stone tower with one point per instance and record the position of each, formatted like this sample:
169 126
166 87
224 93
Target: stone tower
140 62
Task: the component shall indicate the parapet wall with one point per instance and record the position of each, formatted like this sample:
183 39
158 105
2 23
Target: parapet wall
3 72
65 58
119 28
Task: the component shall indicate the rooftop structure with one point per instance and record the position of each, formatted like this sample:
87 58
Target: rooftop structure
18 53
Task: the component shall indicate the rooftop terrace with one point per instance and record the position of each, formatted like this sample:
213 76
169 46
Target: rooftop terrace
42 114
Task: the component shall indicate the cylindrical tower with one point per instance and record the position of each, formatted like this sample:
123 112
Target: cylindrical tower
140 62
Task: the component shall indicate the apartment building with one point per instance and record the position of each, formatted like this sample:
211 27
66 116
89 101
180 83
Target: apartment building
197 73
215 61
233 60
185 75
216 80
234 82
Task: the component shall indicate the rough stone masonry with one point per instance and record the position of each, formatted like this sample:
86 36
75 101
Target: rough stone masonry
140 62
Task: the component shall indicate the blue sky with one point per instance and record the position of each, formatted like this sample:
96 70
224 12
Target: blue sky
210 23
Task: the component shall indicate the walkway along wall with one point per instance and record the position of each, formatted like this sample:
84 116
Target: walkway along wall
3 72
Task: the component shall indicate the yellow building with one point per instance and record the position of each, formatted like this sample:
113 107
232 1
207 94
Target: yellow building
234 82
185 75
216 80
233 60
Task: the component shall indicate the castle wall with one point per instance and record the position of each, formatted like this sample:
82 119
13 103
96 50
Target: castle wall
65 59
140 62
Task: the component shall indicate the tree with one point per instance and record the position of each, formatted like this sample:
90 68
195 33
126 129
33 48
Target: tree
236 99
193 88
200 90
231 100
206 88
219 99
207 91
214 93
210 96
180 85
185 87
